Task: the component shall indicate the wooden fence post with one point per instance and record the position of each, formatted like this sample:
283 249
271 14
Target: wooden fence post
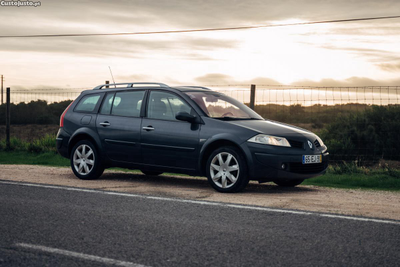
252 96
8 117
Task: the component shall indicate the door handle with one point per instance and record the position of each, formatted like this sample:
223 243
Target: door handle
105 124
148 128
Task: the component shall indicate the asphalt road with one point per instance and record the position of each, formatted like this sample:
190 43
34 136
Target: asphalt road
64 227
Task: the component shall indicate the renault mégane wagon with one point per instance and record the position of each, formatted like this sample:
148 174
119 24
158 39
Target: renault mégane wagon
188 129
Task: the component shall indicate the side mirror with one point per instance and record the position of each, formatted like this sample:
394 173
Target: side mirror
184 116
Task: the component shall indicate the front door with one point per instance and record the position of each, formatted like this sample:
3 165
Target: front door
166 141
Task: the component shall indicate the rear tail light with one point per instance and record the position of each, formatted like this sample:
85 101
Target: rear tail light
63 115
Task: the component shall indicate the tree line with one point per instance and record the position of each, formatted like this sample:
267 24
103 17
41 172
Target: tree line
352 132
34 112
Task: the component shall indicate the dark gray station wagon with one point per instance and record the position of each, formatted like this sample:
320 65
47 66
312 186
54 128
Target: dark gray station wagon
193 130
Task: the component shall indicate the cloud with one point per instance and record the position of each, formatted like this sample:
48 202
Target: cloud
387 28
122 15
389 67
141 77
374 55
102 16
182 47
349 82
223 79
215 78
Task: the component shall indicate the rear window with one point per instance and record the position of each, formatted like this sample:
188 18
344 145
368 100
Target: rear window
87 103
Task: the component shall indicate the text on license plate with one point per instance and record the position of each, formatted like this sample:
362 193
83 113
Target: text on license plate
309 159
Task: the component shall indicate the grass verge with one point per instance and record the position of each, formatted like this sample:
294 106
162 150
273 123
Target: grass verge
356 181
336 177
45 159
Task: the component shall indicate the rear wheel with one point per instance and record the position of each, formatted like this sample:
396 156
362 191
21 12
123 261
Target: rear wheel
154 173
227 170
85 161
288 183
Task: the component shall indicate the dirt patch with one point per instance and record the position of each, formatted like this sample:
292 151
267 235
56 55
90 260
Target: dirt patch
377 204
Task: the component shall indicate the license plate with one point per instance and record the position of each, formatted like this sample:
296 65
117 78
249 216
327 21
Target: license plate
310 159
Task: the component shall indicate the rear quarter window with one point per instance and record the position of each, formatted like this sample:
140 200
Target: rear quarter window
87 103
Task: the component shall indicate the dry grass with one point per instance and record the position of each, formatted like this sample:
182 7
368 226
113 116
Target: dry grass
29 132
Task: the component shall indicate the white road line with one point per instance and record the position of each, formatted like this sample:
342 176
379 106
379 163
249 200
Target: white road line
208 203
78 255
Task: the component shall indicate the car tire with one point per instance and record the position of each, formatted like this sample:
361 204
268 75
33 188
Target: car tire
226 170
85 161
288 183
152 173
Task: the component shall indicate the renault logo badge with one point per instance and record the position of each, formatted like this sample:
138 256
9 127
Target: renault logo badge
309 144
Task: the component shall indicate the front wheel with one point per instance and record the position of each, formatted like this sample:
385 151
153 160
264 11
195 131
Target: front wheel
227 170
288 183
85 161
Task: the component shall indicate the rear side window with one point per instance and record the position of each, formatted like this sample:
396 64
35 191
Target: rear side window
127 103
87 103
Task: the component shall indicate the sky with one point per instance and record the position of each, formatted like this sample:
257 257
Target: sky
345 54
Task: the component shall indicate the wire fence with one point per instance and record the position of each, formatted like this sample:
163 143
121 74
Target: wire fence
311 95
265 94
358 124
48 95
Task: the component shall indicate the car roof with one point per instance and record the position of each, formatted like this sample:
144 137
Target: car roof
147 85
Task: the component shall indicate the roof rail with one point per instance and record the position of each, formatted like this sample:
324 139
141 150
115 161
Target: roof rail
198 87
145 84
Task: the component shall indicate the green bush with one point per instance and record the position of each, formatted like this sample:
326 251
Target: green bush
34 112
40 145
15 144
366 136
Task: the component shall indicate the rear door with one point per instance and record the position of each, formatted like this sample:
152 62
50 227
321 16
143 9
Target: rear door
118 125
166 141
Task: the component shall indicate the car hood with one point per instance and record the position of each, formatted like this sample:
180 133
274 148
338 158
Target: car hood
273 128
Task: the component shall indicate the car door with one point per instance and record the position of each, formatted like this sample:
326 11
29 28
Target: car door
165 141
118 125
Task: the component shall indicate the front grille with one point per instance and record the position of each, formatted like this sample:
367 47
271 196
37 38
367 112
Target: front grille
298 167
316 143
296 144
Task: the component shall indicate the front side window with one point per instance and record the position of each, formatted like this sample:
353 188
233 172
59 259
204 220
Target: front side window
88 103
220 106
165 106
124 103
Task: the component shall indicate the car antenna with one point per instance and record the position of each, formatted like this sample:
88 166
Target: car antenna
112 76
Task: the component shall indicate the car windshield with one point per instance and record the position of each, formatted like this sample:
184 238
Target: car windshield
220 106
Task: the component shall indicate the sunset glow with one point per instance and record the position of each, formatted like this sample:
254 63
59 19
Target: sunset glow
346 54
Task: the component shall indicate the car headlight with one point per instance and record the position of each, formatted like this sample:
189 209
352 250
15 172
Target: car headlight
269 140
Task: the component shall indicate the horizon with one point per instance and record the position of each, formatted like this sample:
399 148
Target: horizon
265 95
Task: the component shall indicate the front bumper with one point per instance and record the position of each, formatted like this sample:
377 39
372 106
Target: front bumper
277 163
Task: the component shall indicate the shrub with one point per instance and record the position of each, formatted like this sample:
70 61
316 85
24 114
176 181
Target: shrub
365 136
43 144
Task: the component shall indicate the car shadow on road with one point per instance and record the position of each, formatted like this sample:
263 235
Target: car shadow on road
199 183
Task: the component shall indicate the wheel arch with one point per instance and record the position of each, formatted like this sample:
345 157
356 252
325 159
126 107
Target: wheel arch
84 134
208 148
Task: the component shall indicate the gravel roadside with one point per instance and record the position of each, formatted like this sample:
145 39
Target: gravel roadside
368 203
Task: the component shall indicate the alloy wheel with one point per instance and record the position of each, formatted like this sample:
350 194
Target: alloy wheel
224 170
83 159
